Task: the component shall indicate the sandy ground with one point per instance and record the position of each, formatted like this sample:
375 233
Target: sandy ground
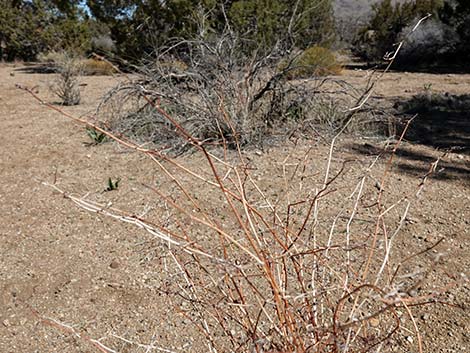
100 277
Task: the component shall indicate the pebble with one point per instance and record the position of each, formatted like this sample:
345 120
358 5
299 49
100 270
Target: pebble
114 264
409 339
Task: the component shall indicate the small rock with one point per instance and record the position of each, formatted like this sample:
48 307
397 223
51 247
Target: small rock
409 339
411 220
114 264
6 323
374 322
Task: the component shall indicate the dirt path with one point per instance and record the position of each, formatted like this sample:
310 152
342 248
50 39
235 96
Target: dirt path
94 274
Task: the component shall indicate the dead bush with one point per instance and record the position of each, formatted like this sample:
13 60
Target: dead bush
103 43
429 101
296 256
51 57
258 268
66 85
221 96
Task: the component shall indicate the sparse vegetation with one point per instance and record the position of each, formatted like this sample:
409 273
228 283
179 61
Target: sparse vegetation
219 95
295 248
95 65
95 136
113 184
256 269
66 85
433 101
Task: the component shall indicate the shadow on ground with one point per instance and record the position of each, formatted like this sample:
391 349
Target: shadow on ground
35 68
416 161
443 120
446 67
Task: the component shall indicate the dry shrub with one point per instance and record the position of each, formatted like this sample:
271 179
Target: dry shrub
429 101
219 95
314 61
290 106
296 256
91 66
97 67
103 43
66 85
172 66
292 257
51 57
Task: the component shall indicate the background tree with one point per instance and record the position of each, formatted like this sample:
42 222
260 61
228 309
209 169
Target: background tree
456 14
138 27
28 28
387 24
269 22
117 16
441 41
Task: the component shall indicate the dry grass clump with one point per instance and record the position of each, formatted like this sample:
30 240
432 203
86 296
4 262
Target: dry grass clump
66 85
429 101
69 67
95 66
51 57
314 61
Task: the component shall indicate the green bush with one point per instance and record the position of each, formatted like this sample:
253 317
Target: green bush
314 61
269 23
387 24
139 27
456 15
28 28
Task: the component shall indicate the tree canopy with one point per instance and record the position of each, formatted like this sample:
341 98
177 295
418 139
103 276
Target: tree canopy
136 28
442 39
31 27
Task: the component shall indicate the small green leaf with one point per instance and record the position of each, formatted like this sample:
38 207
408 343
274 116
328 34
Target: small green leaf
96 136
113 184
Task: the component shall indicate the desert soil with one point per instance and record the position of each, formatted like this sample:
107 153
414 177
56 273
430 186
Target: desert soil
99 276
